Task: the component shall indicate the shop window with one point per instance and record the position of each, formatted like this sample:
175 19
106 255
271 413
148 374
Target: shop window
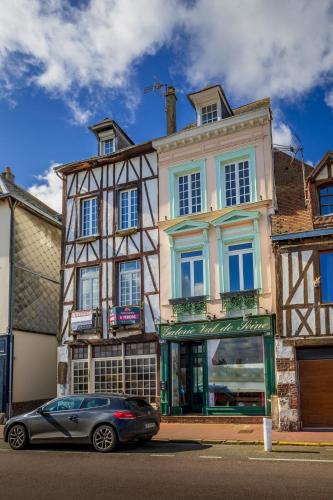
130 283
128 208
326 272
108 375
80 352
236 372
80 377
107 351
140 348
240 267
189 193
326 200
140 377
88 288
192 273
89 217
237 183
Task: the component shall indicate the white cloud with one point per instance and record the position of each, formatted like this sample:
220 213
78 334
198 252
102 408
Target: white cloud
282 134
49 188
329 99
261 47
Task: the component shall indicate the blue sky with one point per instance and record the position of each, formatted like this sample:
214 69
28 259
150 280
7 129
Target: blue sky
72 63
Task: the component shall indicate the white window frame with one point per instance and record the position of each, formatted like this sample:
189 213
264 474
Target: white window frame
237 163
86 367
83 201
80 280
191 260
117 360
104 143
190 195
129 209
205 106
129 272
240 253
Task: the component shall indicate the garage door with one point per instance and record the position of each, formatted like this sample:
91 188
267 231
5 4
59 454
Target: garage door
316 392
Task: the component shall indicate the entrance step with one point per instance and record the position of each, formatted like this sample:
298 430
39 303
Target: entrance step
211 419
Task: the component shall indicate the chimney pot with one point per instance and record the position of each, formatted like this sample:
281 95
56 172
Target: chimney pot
170 98
8 174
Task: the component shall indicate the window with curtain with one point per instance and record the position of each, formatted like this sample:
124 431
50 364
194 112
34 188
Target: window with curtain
128 208
130 283
89 216
88 288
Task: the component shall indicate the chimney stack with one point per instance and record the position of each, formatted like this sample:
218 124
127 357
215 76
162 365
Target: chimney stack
8 174
170 108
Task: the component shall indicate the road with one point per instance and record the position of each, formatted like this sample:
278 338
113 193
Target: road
166 471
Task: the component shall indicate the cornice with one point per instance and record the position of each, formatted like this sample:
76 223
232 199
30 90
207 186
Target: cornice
221 128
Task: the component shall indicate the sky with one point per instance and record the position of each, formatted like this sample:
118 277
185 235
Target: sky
66 64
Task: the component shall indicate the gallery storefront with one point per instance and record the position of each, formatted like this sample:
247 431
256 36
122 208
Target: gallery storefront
217 367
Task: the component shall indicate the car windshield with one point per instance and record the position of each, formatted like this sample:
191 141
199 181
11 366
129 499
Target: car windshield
63 404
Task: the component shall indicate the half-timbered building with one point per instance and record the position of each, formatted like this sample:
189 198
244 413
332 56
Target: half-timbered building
303 244
110 272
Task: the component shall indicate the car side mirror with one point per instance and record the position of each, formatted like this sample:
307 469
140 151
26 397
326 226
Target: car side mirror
43 412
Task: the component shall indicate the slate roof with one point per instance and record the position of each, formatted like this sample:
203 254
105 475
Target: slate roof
292 216
23 196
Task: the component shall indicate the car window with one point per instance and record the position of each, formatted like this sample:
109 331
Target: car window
138 403
94 402
63 404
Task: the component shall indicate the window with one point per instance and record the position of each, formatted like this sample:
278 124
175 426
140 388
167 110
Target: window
240 267
80 377
326 200
89 217
236 371
130 283
326 272
63 404
209 114
189 192
88 288
109 375
107 351
128 209
140 348
237 183
79 352
140 376
191 265
107 147
94 403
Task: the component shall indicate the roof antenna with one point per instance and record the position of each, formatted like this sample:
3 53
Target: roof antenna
169 93
295 148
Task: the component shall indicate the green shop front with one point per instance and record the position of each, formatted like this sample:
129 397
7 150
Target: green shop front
217 367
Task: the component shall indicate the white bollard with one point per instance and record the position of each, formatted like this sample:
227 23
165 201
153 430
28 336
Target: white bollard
267 434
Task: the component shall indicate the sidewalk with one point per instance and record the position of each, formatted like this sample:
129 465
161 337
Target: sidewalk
235 434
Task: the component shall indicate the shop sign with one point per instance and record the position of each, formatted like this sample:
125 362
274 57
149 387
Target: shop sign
220 328
83 320
122 316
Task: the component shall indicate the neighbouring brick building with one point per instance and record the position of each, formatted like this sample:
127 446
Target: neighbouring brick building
302 233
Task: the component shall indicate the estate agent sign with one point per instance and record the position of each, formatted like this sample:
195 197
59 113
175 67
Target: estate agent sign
223 327
83 320
122 316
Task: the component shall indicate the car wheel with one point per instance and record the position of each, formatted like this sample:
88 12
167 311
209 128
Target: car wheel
18 437
104 438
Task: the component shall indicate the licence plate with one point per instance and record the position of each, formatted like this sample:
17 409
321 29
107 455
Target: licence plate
150 426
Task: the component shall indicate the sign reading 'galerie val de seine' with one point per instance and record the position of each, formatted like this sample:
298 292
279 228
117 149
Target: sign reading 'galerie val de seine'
216 328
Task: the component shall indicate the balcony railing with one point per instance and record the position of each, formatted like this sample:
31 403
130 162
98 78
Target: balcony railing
189 306
240 301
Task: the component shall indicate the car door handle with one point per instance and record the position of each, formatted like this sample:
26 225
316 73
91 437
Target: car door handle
73 418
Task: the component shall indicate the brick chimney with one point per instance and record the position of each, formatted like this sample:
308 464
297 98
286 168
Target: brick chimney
170 109
8 174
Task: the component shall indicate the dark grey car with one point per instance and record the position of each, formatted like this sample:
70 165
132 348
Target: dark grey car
100 419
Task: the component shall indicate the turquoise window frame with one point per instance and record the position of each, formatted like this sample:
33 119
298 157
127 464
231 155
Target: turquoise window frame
188 243
248 153
238 237
185 169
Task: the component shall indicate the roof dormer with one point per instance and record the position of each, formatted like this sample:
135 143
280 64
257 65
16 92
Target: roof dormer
110 137
210 104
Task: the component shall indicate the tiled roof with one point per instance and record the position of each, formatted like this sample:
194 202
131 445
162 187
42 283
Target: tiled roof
292 216
28 199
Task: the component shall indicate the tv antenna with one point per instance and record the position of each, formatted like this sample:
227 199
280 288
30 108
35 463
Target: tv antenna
158 86
295 148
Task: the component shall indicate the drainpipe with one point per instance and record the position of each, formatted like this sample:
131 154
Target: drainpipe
11 306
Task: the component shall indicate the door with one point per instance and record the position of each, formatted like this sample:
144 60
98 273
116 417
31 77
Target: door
191 377
316 392
60 422
4 356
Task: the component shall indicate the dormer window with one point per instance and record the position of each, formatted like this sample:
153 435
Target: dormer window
209 114
107 146
326 199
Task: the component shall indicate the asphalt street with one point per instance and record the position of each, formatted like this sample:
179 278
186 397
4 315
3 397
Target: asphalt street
166 471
